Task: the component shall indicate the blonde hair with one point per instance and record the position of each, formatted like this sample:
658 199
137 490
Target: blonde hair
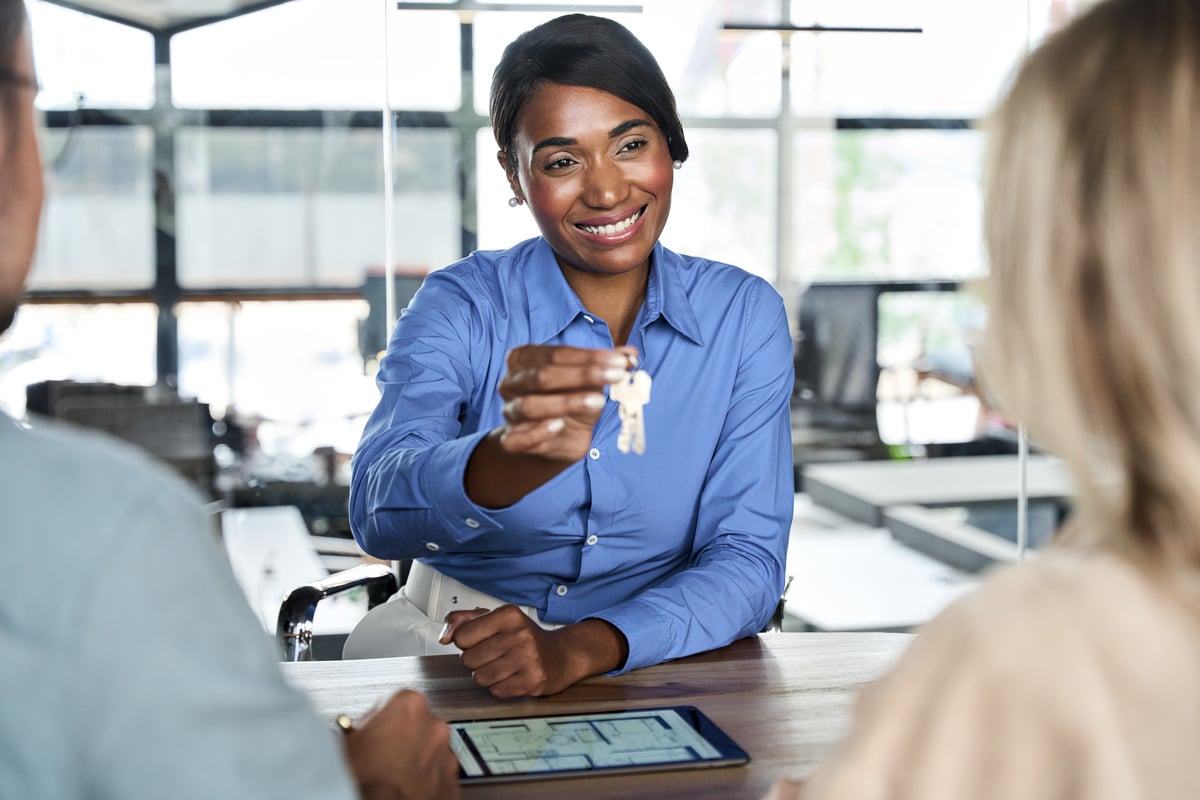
1091 224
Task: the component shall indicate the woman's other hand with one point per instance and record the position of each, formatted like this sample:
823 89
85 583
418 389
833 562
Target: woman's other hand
511 656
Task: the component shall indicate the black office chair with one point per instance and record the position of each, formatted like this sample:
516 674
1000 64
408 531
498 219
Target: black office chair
294 629
837 376
775 625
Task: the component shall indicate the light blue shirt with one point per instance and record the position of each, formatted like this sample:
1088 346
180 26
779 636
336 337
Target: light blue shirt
682 548
130 664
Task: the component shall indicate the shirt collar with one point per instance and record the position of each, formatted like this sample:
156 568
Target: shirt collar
553 305
666 296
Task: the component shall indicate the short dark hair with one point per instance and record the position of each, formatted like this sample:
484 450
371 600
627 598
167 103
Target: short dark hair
581 50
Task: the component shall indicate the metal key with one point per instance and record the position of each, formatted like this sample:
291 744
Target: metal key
631 395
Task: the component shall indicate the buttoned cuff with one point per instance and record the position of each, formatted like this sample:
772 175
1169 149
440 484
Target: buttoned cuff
459 519
647 633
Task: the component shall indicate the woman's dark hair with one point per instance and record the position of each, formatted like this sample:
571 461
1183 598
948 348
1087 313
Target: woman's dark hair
580 50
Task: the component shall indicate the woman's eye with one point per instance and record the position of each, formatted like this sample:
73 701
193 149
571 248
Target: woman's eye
636 144
560 163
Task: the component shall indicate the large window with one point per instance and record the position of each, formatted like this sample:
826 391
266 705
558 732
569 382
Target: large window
304 207
215 220
98 218
874 204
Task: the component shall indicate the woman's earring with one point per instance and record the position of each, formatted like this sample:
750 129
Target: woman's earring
677 164
513 202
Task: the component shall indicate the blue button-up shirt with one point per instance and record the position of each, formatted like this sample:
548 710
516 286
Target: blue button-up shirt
681 548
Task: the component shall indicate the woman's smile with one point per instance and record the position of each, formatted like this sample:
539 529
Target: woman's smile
608 231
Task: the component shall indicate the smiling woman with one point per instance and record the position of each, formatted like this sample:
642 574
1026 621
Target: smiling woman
551 549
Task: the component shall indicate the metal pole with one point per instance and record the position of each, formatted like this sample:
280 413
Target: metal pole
389 188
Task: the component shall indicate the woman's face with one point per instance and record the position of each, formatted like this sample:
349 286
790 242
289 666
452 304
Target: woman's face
20 187
597 175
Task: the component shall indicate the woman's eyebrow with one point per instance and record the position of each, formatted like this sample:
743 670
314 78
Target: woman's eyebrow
627 126
563 141
554 141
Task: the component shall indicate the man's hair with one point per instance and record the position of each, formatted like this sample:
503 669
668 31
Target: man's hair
12 26
1092 224
581 50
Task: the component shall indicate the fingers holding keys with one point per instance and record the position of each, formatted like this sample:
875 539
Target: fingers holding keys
554 396
549 369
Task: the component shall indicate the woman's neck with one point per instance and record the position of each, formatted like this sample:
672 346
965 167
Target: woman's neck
614 298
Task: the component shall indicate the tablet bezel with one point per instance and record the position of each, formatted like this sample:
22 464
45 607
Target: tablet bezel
729 752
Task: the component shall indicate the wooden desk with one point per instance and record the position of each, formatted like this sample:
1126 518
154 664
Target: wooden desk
785 697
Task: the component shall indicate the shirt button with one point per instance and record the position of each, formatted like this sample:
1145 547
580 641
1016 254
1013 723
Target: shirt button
471 522
433 546
593 539
589 319
594 454
561 590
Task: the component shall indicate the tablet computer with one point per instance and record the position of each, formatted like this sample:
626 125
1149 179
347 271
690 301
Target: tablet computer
599 743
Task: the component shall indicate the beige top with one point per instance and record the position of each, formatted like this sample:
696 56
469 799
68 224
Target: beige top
1073 676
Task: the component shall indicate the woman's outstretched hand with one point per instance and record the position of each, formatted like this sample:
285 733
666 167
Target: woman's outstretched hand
554 396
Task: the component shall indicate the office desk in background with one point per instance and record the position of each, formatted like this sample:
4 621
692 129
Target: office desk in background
909 497
865 490
785 697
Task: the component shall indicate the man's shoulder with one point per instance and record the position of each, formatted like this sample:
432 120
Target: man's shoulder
53 472
88 454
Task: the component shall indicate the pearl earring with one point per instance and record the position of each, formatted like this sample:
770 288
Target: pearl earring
513 202
677 164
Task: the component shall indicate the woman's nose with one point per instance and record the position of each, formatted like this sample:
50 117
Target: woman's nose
605 185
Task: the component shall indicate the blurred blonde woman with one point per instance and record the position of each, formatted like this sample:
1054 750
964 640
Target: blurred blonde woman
1077 675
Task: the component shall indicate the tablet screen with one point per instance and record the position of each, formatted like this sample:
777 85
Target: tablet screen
632 740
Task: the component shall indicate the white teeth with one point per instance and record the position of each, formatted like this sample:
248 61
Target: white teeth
609 230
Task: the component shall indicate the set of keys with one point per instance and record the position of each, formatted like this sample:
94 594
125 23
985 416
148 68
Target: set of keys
632 393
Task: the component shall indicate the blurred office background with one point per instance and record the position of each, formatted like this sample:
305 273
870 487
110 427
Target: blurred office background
211 275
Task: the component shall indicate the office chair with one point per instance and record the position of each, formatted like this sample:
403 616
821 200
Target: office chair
837 376
294 629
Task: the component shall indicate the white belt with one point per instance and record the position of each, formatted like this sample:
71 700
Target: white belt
411 622
437 594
